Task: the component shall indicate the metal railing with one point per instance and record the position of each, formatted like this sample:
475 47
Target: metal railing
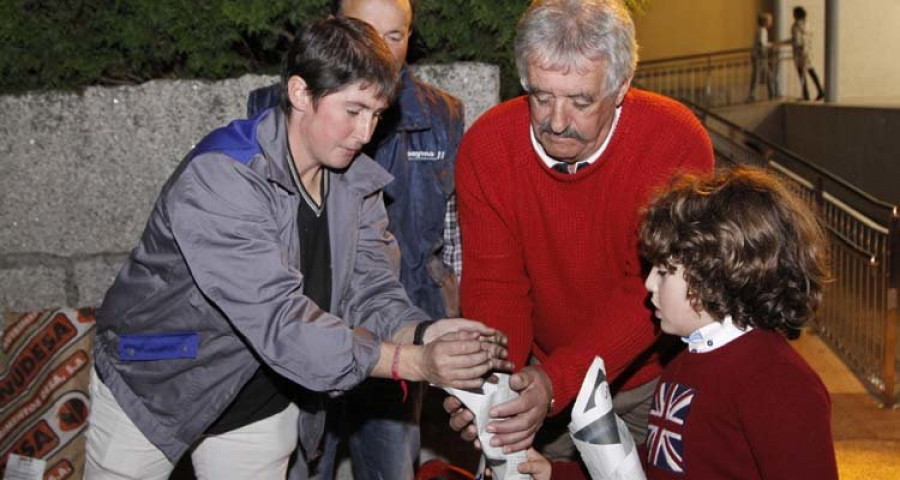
858 317
719 79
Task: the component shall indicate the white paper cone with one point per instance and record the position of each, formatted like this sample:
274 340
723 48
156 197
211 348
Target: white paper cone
503 466
602 438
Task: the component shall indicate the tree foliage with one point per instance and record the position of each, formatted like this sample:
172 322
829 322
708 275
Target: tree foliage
66 44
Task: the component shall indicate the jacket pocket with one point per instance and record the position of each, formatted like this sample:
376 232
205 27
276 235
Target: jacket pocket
160 346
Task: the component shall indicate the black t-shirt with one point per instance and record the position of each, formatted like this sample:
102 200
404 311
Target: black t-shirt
268 393
315 252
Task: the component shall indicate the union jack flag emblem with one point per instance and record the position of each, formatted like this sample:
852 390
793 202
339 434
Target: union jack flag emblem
671 405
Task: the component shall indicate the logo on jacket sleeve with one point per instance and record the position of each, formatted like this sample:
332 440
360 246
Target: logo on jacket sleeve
425 155
671 406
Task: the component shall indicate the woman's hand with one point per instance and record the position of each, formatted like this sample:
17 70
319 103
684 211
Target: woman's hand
461 359
492 340
453 325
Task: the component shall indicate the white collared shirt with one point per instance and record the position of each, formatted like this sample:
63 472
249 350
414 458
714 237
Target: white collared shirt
550 161
714 335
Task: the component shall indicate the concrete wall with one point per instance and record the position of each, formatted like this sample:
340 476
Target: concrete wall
671 28
860 144
765 119
868 41
79 172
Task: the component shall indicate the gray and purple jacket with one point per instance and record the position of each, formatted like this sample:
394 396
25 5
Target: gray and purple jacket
213 288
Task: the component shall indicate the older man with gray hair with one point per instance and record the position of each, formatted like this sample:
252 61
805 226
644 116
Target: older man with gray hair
550 186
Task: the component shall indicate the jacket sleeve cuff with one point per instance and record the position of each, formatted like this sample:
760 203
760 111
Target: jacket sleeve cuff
366 351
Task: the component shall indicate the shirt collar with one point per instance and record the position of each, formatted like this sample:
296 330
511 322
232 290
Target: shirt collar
550 161
715 335
317 208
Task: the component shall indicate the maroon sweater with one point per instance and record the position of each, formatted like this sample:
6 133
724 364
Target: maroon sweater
551 259
751 409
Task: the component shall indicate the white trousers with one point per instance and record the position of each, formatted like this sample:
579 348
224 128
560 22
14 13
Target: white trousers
117 450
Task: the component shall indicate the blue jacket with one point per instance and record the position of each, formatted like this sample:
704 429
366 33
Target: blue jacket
212 288
416 142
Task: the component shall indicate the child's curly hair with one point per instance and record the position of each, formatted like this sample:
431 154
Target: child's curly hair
750 248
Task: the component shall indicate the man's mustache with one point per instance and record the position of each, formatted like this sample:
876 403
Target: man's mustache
569 132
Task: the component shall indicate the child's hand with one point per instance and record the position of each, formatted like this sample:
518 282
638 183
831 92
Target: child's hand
537 465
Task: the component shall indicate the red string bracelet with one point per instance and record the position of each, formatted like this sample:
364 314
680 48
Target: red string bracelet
395 371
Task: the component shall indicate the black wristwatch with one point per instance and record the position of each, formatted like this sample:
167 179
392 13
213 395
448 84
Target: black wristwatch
419 334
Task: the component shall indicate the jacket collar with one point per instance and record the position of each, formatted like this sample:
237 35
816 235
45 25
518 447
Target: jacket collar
272 137
364 175
413 114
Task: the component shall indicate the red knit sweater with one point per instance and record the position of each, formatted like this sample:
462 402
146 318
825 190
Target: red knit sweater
751 409
551 259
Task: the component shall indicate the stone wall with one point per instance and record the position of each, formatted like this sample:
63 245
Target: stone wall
79 172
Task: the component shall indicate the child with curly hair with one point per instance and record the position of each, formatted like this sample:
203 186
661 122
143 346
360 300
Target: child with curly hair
739 265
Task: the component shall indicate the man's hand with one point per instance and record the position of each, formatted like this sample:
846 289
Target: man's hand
461 360
462 420
519 419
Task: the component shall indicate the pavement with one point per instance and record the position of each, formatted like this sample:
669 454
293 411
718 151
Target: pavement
866 435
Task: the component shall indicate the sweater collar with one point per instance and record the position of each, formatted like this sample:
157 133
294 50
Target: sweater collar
715 335
550 161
